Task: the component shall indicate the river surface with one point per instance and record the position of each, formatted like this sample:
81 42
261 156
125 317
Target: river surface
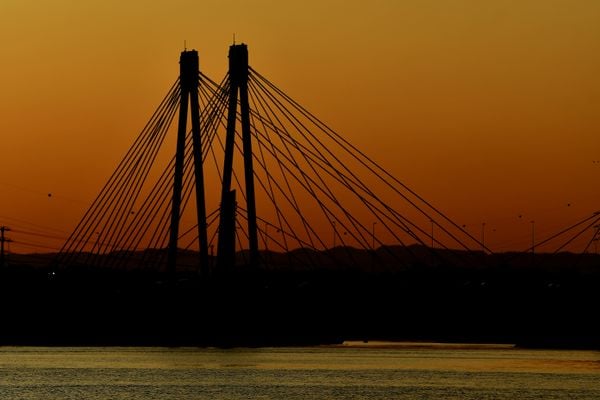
350 371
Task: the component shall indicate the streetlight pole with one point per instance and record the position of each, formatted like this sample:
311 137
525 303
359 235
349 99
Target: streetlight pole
483 237
532 237
373 235
596 235
266 237
333 223
432 244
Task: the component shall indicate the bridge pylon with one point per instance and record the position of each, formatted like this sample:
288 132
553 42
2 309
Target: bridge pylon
189 80
238 75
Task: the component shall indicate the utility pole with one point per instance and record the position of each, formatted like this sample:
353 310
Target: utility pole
3 240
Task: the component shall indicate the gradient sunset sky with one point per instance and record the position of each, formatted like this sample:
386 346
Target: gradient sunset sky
488 109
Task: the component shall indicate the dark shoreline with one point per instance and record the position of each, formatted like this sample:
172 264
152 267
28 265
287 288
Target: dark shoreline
552 306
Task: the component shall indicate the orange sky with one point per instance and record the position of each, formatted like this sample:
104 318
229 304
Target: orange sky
489 109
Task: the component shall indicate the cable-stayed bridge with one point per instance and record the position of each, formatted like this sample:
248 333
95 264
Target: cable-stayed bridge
239 173
237 176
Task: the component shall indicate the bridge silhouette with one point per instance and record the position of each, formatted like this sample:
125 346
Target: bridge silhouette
261 180
251 222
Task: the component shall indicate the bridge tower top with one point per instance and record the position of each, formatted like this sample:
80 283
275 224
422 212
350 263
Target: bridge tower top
189 68
238 63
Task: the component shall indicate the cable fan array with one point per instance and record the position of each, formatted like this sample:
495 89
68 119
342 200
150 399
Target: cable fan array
320 200
132 212
584 233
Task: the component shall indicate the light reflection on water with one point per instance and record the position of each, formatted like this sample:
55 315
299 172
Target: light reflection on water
345 372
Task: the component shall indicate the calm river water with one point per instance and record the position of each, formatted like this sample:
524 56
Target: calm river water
352 371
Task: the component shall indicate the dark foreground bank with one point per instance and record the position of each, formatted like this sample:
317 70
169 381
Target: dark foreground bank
543 307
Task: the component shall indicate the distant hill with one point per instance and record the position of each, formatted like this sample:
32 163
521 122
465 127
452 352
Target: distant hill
389 259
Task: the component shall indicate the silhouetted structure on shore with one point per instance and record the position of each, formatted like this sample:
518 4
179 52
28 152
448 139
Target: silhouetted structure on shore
515 302
125 276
